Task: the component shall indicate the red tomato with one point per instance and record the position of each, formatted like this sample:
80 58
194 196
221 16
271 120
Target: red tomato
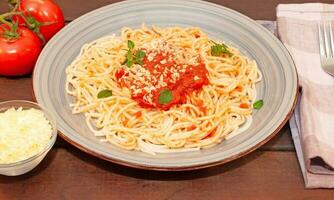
18 56
43 11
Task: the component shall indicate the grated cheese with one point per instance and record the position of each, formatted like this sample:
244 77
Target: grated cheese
23 134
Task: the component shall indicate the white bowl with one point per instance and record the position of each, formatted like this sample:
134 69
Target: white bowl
24 166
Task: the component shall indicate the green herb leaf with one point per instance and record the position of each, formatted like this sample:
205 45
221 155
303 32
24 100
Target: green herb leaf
140 62
258 104
218 49
131 44
129 63
165 97
104 94
129 55
139 56
226 51
129 59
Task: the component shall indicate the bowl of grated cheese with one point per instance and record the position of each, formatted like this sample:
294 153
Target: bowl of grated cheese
27 133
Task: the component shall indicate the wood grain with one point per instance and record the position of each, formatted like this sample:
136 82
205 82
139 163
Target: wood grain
71 174
256 9
16 88
269 173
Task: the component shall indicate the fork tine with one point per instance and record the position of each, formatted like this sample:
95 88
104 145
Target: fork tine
326 39
321 41
331 39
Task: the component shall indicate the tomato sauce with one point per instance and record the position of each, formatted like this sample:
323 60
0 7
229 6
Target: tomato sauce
165 74
210 134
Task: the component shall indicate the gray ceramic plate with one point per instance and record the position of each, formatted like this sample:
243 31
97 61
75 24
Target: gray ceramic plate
278 88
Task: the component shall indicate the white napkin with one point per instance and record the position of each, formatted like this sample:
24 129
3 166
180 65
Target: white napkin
312 124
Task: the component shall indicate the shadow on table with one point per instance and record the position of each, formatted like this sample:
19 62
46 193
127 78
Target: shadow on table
75 158
164 175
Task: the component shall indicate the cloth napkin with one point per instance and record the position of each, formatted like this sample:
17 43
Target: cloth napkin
312 124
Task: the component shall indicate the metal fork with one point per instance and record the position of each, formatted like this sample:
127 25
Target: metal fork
326 47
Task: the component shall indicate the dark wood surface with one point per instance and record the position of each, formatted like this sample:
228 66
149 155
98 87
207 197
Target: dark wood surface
271 172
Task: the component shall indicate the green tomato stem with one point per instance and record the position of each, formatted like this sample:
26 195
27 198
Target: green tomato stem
2 20
11 33
30 25
5 15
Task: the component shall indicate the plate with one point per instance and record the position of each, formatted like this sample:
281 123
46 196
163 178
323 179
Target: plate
278 88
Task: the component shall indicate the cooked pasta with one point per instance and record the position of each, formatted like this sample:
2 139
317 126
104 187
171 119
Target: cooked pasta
163 90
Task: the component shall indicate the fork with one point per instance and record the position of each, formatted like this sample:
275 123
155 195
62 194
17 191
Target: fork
326 47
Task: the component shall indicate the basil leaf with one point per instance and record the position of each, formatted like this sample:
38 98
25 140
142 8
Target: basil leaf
129 55
129 59
225 50
139 56
134 59
218 49
104 94
165 97
129 63
258 104
140 62
131 44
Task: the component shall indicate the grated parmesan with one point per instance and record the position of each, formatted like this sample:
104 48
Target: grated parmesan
23 134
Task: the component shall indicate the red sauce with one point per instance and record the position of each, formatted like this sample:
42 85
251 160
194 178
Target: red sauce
179 79
190 128
138 114
244 105
210 134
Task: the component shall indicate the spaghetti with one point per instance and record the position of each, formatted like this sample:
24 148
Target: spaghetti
163 90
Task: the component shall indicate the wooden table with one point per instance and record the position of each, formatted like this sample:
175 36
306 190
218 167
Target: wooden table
271 172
